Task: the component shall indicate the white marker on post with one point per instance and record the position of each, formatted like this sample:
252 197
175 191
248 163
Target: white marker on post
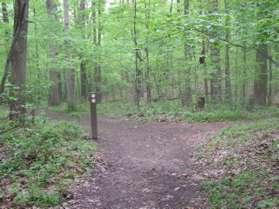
93 98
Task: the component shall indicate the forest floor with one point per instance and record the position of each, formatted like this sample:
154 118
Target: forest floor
142 165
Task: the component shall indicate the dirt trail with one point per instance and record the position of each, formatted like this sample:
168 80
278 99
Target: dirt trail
143 166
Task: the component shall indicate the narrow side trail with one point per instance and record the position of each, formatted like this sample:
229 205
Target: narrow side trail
143 166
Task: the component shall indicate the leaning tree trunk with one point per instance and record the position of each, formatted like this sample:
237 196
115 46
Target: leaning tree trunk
55 75
18 58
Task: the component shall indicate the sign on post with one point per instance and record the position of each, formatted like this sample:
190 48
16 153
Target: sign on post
93 115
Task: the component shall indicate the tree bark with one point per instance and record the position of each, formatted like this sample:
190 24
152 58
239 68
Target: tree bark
147 62
137 70
244 75
98 68
5 18
270 84
83 80
216 74
186 97
261 80
54 75
83 71
18 59
69 73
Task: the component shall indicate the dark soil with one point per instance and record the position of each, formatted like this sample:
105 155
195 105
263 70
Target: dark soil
142 166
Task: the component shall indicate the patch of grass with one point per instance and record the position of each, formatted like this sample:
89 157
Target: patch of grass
246 157
39 162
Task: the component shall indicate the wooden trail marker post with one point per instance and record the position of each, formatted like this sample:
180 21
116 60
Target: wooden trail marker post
93 115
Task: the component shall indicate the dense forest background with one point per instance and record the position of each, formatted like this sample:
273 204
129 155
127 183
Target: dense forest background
223 52
189 66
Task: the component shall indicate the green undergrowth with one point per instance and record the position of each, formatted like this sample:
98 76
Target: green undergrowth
79 110
40 161
241 166
172 110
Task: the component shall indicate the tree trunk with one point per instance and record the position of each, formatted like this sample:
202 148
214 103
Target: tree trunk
216 74
186 97
83 80
54 96
54 75
261 79
270 84
260 83
137 70
147 62
228 90
244 75
70 87
70 73
98 69
83 71
18 58
5 18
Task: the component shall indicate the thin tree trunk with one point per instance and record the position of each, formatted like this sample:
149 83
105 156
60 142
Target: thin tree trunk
98 72
228 91
94 34
83 79
5 18
137 71
147 73
244 79
270 84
